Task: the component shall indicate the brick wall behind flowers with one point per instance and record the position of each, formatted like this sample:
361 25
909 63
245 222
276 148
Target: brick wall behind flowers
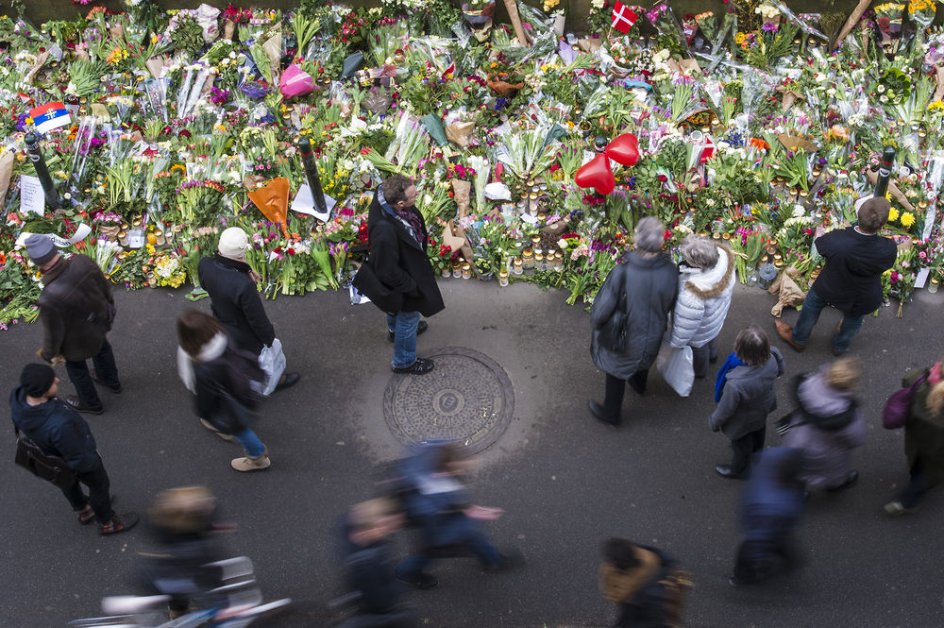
39 11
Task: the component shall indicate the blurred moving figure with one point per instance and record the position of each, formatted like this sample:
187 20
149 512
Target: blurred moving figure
436 502
180 564
368 564
924 438
221 377
770 512
827 424
645 582
745 394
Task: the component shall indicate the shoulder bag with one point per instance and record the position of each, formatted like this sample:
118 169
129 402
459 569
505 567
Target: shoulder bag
898 407
53 469
614 332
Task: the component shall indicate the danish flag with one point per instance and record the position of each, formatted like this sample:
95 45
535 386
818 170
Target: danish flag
623 17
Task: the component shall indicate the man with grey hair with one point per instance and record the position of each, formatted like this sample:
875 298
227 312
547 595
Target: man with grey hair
851 280
626 338
706 282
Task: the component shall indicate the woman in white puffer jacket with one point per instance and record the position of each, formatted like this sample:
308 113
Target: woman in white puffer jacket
706 281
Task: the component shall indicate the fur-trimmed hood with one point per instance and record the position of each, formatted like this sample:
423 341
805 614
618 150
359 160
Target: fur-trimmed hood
708 283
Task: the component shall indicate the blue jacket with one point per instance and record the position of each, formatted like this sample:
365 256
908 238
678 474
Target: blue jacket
57 429
771 506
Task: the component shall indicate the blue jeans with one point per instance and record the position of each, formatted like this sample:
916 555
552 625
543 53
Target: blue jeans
812 307
462 533
251 443
403 325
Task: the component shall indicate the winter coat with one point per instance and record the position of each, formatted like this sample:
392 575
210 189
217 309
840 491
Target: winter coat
370 573
236 303
400 261
222 380
76 308
57 429
650 284
748 397
924 432
826 426
770 506
851 280
703 301
642 594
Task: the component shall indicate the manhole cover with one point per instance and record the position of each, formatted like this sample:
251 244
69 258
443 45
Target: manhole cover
467 398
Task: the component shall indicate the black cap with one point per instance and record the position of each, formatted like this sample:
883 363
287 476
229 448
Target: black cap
37 379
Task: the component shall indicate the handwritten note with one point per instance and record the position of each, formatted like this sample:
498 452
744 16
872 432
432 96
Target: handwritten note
32 200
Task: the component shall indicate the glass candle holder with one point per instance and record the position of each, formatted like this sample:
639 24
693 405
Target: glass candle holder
527 259
535 240
539 261
934 285
503 278
517 266
457 270
467 271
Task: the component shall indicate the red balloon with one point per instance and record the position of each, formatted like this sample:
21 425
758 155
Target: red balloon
597 174
624 150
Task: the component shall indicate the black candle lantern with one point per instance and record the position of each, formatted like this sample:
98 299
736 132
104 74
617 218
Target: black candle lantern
311 173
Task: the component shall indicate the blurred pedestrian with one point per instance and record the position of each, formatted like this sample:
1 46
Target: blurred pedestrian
231 284
827 424
403 282
706 282
924 438
77 310
221 377
368 564
180 561
770 513
645 582
448 524
59 430
745 395
851 280
629 317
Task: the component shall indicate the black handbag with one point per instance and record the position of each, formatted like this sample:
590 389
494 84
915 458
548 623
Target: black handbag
368 283
53 469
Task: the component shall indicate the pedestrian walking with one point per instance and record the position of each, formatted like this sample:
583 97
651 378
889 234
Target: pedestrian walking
221 377
77 310
368 566
398 276
924 438
448 525
827 425
59 430
851 280
745 394
629 318
771 508
706 282
645 582
231 284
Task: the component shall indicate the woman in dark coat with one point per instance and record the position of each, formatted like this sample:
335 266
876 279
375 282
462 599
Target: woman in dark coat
924 438
645 582
649 280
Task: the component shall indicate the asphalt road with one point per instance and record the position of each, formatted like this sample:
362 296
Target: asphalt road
566 482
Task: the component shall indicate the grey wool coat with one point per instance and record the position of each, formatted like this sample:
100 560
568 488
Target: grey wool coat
651 285
748 398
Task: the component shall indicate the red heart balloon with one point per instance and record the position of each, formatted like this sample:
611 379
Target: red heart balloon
624 150
597 174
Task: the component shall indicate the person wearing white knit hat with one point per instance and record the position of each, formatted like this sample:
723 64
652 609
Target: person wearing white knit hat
231 283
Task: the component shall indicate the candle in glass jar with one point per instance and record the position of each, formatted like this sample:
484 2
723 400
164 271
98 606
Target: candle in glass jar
933 285
527 259
517 266
466 271
457 270
539 261
535 240
503 278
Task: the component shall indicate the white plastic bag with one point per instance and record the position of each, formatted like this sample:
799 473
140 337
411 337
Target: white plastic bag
678 368
272 362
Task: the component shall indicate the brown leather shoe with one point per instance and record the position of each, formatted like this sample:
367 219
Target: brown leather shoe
785 332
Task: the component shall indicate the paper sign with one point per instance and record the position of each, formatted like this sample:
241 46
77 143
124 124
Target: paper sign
32 199
304 203
922 277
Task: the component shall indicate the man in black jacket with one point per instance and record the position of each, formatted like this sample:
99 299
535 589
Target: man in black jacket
77 310
398 240
231 284
851 280
59 430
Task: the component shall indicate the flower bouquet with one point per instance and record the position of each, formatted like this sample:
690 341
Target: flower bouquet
888 17
670 36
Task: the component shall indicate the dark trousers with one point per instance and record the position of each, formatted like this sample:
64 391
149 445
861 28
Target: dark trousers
702 356
99 495
616 388
745 447
918 485
757 561
105 369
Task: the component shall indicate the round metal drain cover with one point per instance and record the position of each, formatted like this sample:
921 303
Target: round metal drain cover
467 398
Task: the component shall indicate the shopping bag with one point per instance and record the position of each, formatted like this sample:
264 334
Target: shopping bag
272 362
678 368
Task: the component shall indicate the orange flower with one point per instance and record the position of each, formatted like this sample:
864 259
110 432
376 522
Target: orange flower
3 258
759 144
